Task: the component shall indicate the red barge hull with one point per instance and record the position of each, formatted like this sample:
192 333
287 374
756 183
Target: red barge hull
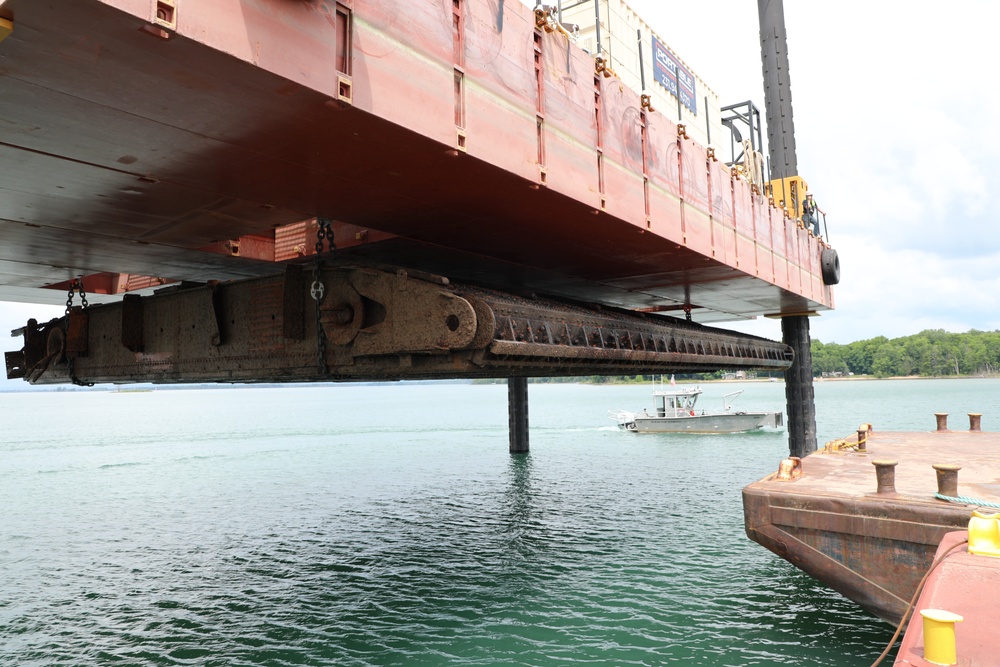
148 141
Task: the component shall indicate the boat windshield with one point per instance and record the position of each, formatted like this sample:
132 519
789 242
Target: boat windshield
683 403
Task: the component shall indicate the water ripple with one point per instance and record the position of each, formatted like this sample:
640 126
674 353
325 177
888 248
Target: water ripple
399 545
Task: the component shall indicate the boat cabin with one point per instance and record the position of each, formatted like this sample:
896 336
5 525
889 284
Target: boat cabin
676 403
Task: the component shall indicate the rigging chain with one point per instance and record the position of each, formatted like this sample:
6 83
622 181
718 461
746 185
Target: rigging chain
75 285
317 291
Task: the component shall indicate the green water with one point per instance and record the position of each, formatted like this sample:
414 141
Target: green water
388 525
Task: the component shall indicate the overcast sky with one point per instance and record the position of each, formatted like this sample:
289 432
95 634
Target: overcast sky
895 108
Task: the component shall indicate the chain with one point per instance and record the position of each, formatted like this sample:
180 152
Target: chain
324 231
317 291
72 374
76 285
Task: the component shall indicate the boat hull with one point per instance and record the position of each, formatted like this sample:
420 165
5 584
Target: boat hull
721 423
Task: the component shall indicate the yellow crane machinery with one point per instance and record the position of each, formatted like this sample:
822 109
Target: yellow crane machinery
788 193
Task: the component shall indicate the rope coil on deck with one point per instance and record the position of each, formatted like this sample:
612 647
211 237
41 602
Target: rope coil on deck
966 500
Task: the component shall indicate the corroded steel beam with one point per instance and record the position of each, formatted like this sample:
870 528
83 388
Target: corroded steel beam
373 324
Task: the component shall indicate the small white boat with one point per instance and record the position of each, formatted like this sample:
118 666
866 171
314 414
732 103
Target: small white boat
676 413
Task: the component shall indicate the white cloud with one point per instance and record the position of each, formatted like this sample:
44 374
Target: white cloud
895 130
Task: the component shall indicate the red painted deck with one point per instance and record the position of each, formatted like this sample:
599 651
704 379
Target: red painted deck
965 584
435 137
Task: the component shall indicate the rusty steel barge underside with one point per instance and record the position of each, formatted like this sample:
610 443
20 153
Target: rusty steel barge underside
500 207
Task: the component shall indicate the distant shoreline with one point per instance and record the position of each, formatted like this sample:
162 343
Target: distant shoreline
144 387
856 378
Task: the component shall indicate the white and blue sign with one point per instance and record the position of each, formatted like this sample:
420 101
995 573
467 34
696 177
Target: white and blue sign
669 72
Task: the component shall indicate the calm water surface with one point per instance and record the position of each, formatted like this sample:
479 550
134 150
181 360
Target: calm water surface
388 525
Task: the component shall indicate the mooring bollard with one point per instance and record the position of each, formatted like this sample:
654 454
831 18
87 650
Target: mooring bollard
790 469
863 438
942 420
984 534
974 418
939 636
947 478
885 473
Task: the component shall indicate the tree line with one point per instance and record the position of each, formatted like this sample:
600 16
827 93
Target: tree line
933 352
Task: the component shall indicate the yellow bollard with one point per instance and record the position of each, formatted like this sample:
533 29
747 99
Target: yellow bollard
984 534
939 636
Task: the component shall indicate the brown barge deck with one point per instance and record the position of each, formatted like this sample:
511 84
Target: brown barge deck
873 547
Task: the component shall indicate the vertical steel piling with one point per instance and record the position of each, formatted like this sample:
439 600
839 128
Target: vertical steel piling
799 392
517 412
